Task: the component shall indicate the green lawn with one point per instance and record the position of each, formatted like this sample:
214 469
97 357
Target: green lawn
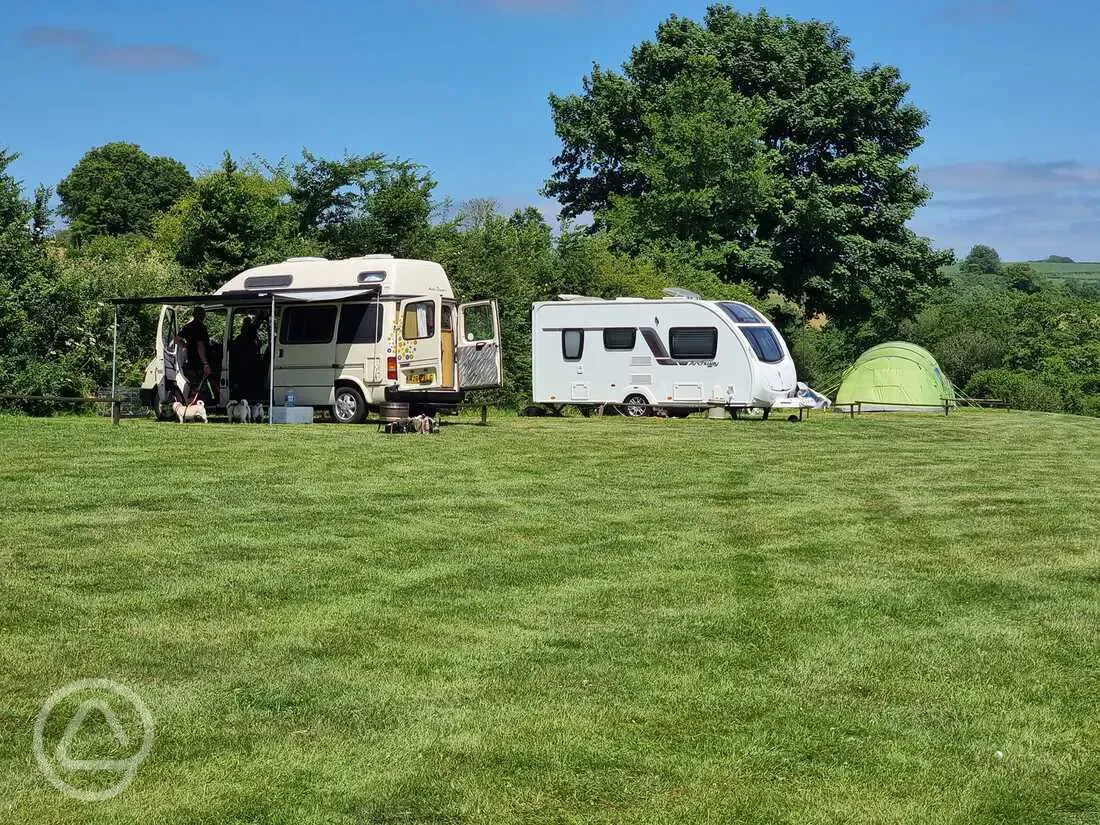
613 621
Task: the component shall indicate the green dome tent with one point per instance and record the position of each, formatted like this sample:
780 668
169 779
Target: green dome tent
892 377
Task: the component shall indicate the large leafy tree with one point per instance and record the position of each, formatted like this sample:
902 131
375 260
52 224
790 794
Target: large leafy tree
754 144
118 189
38 312
363 204
232 219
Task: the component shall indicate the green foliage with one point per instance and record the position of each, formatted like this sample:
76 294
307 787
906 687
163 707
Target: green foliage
982 260
1015 336
232 219
1058 259
752 143
37 310
364 204
118 189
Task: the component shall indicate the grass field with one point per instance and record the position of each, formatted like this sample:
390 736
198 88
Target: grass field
544 621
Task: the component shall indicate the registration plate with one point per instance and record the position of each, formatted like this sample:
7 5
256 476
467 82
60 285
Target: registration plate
421 377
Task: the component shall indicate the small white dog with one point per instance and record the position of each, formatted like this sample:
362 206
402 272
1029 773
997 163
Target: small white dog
190 412
256 414
239 411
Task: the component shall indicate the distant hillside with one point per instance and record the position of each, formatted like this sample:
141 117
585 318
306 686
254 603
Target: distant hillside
1079 271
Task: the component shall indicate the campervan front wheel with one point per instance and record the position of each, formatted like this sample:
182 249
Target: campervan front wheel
349 406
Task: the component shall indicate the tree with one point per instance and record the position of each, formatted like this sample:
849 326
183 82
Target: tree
364 204
753 143
118 189
982 260
231 220
38 314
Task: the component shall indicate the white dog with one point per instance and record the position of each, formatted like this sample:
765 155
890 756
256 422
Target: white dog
256 414
190 412
239 411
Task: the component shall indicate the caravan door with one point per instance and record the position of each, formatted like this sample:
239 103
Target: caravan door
419 362
479 361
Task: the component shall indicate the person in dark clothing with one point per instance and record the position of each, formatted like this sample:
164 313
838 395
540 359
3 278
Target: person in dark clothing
196 340
246 364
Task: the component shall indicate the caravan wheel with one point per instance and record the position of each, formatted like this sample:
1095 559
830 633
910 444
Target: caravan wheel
636 406
349 406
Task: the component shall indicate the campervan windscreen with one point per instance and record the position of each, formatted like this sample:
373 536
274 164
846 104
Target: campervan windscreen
764 344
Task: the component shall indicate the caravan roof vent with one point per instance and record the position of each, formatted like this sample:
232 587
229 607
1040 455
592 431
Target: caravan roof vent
377 257
679 292
304 259
569 296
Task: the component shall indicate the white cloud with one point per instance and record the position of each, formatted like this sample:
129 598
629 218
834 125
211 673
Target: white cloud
1025 209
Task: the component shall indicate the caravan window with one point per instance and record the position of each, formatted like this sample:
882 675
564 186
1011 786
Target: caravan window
741 313
307 324
419 321
620 338
572 344
764 344
360 324
693 343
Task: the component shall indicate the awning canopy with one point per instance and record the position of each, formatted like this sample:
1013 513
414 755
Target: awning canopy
253 297
270 298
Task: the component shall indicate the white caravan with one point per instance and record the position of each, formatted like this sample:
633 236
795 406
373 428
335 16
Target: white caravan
349 335
679 354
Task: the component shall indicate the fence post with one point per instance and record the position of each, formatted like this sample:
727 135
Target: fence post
114 357
116 411
484 414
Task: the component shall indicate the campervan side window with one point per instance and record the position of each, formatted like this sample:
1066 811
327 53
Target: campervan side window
763 343
620 338
307 324
360 324
419 321
572 344
693 343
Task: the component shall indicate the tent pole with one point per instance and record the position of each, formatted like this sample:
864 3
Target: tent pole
271 364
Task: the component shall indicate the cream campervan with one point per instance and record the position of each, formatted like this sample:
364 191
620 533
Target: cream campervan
349 335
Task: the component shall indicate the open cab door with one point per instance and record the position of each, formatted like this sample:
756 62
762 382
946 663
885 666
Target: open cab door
479 363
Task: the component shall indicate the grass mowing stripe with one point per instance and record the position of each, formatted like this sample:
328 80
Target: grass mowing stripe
565 620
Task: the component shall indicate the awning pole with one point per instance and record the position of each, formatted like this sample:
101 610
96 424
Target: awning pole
114 355
271 366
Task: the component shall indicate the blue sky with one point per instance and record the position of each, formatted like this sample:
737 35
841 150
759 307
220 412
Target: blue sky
461 86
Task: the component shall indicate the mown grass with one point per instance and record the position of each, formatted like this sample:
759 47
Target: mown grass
565 620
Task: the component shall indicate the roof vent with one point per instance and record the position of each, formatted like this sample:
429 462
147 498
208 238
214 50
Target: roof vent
378 257
304 259
679 292
569 296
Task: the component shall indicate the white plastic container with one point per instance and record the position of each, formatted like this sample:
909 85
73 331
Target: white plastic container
292 415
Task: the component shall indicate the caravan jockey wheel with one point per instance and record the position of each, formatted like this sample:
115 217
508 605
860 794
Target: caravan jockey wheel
636 406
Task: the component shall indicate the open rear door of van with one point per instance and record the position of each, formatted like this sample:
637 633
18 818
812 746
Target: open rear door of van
479 362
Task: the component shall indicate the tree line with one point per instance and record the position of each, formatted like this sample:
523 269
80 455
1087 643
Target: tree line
741 156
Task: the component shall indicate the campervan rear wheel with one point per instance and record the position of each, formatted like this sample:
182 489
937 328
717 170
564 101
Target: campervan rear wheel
636 406
349 405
